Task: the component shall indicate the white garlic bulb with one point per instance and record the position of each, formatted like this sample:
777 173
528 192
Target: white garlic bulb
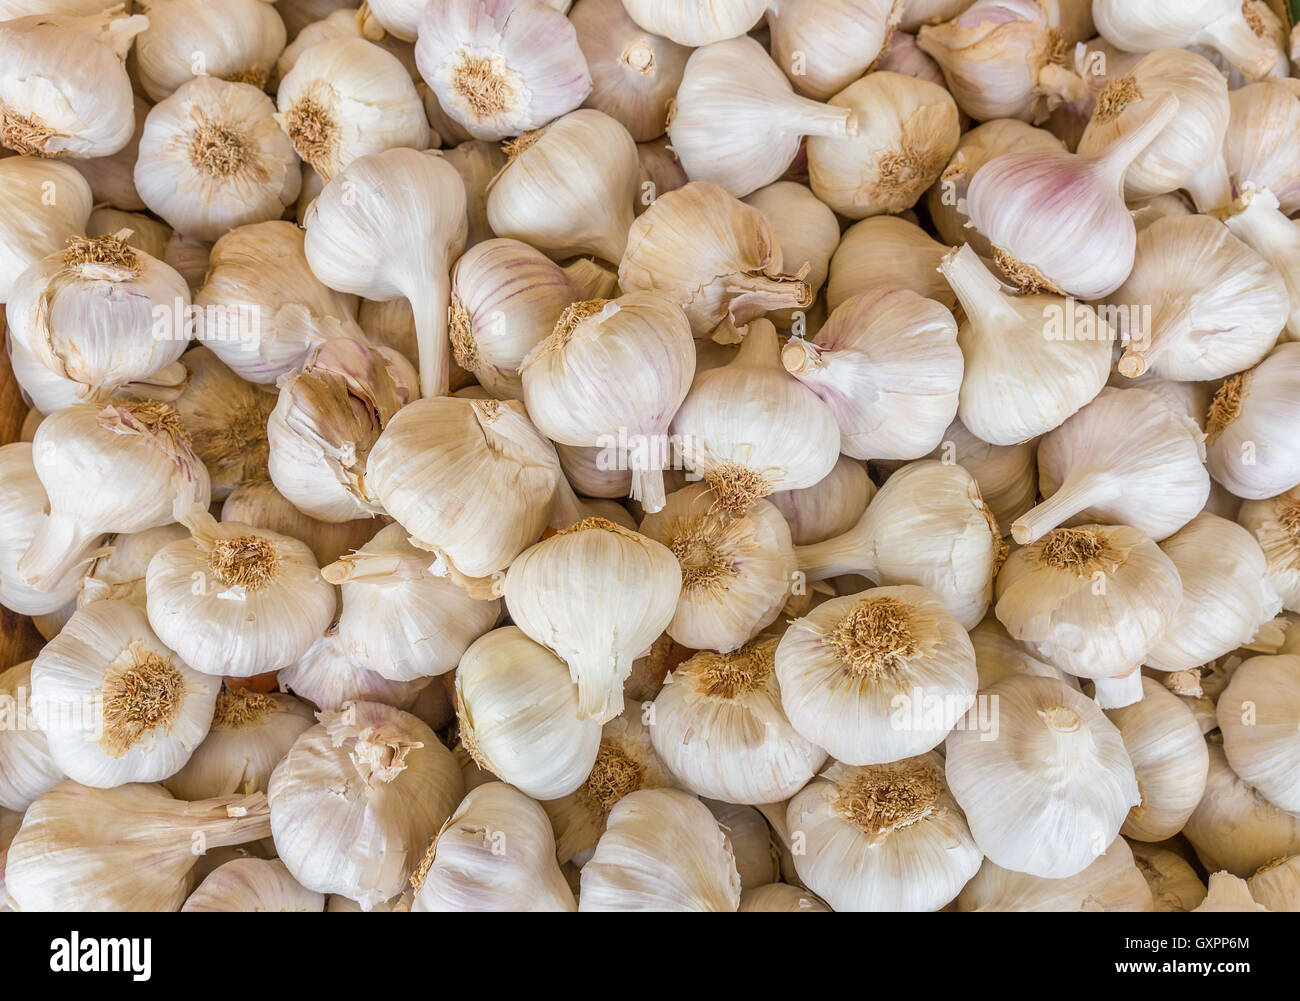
1257 220
696 22
42 203
806 229
27 768
253 884
823 47
1113 882
1234 827
259 504
1261 137
358 797
888 251
1275 523
235 40
1276 884
328 678
1174 884
1165 24
1257 715
828 508
1249 444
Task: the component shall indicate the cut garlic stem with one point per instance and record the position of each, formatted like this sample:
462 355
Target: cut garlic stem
1211 188
1115 693
1062 84
1079 492
835 558
755 294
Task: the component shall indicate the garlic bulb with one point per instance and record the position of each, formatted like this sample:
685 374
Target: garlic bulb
518 715
495 853
506 298
1111 883
328 417
1060 761
736 83
1226 595
356 799
753 845
824 47
1174 884
64 89
1125 458
147 233
44 202
259 504
885 837
662 850
1235 827
1170 24
347 98
342 23
91 314
715 256
212 158
926 526
501 67
130 848
597 595
1256 219
634 74
328 678
640 346
1228 894
1217 305
908 130
400 18
236 40
398 618
1262 134
780 897
1250 445
696 22
877 676
470 480
736 571
806 229
1006 198
891 252
397 198
253 884
157 479
1257 715
235 600
1276 884
887 364
250 734
27 769
477 163
1007 475
998 656
828 508
749 428
1275 523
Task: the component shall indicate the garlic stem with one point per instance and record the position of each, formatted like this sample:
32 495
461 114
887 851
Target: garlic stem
58 547
1061 84
817 119
1115 161
1081 490
1211 188
230 820
801 357
753 294
836 557
429 303
1115 693
978 289
1233 36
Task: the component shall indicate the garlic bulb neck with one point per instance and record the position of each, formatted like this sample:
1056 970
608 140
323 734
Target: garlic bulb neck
1112 163
978 289
1080 491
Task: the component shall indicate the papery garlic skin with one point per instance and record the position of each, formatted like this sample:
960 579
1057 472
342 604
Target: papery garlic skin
253 885
27 770
1275 523
886 837
1234 827
1064 765
887 251
1262 133
696 22
356 799
1221 24
1112 883
45 203
1246 448
237 40
1174 884
512 868
780 897
519 716
823 47
1276 884
1259 716
328 678
1228 894
1256 219
662 850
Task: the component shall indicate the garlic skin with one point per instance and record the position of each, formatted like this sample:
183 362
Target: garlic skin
908 130
1235 827
1174 884
27 769
46 202
1111 883
501 67
780 897
877 676
736 83
1276 884
235 600
347 98
736 571
1218 306
1262 132
190 259
824 47
753 845
48 103
238 40
1226 595
342 23
495 853
398 618
1064 765
721 730
130 848
250 734
597 595
1256 219
716 257
662 850
1275 523
807 231
259 504
147 233
329 679
357 797
1228 894
887 364
634 74
399 198
828 508
1247 449
1125 458
253 884
695 23
1257 715
1220 24
212 158
400 18
519 718
885 837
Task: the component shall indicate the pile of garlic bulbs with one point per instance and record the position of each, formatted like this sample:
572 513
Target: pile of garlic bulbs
762 455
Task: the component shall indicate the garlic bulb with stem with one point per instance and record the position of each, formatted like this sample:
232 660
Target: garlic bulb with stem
1111 883
1006 198
1256 219
1250 443
495 853
1276 884
1275 523
64 89
662 850
400 198
358 797
888 251
129 848
45 203
27 768
1259 717
696 22
824 47
736 83
518 715
1263 130
1064 765
236 40
807 231
501 67
883 837
257 503
877 676
253 884
829 507
1125 458
328 678
1175 885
